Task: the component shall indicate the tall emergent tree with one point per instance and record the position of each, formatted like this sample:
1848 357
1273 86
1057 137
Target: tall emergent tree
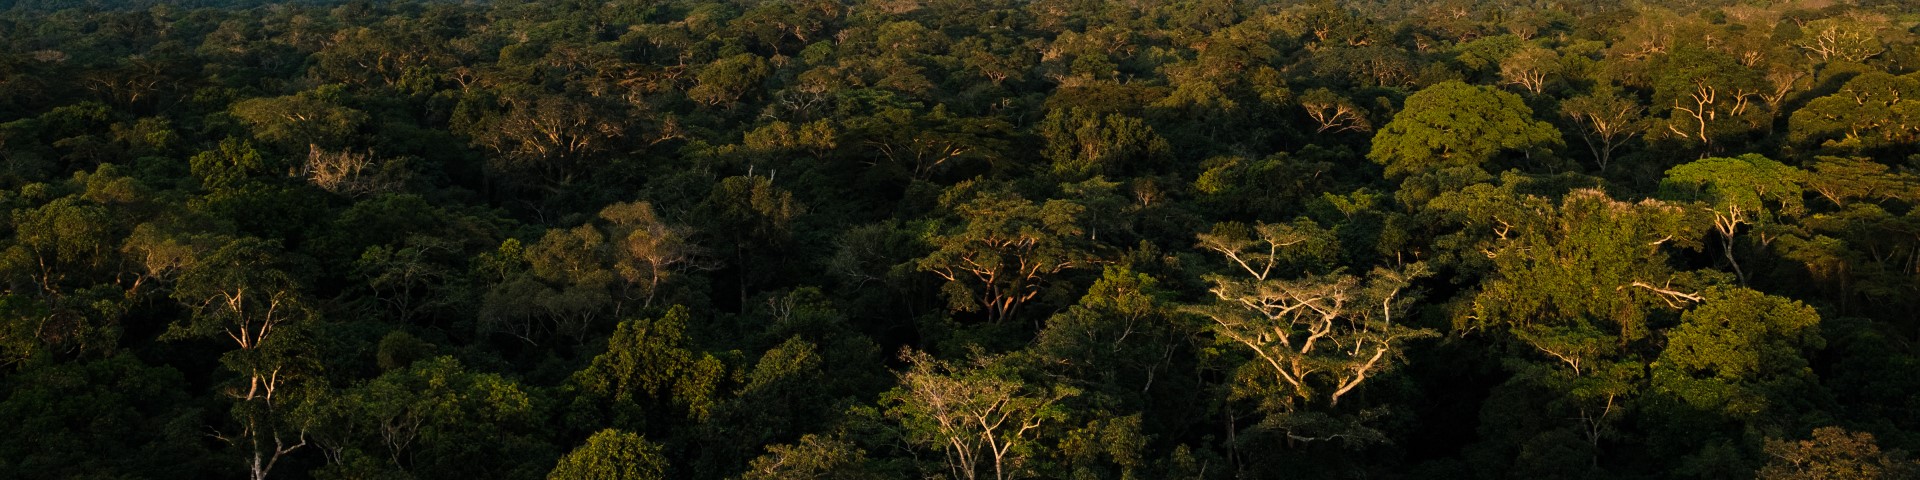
1320 335
1745 190
977 416
1004 248
236 292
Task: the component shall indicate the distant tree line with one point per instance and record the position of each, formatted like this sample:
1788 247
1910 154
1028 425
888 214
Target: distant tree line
981 239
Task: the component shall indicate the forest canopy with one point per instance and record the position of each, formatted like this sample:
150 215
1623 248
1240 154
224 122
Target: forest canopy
865 239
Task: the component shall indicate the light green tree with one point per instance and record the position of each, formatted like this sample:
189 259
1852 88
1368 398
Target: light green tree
1871 111
1607 121
1739 352
1745 190
1320 335
1453 124
612 455
315 117
431 418
978 416
1447 134
1574 281
1530 67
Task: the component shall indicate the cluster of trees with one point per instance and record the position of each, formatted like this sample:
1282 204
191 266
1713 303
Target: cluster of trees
786 239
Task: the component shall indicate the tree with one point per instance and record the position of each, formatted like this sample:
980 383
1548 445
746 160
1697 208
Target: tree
1003 249
1547 261
234 292
66 414
1334 113
1118 339
310 118
406 277
233 162
1872 111
612 455
1832 453
1320 335
559 286
972 414
1574 281
68 285
648 251
1739 191
1366 65
1843 180
432 418
926 144
1852 38
1242 187
573 277
1530 67
753 219
726 79
133 78
350 173
1607 121
813 457
787 392
1083 143
1707 95
1452 124
1482 56
545 138
647 372
1739 352
1785 77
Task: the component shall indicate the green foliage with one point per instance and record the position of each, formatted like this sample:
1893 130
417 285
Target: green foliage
725 80
1118 342
313 117
1606 121
435 419
1454 124
612 454
1740 191
235 160
1832 452
1313 338
1872 111
646 369
1484 54
23 319
65 415
1084 143
1002 248
1847 179
414 240
1749 183
980 417
1739 352
1707 96
928 144
1575 281
812 457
